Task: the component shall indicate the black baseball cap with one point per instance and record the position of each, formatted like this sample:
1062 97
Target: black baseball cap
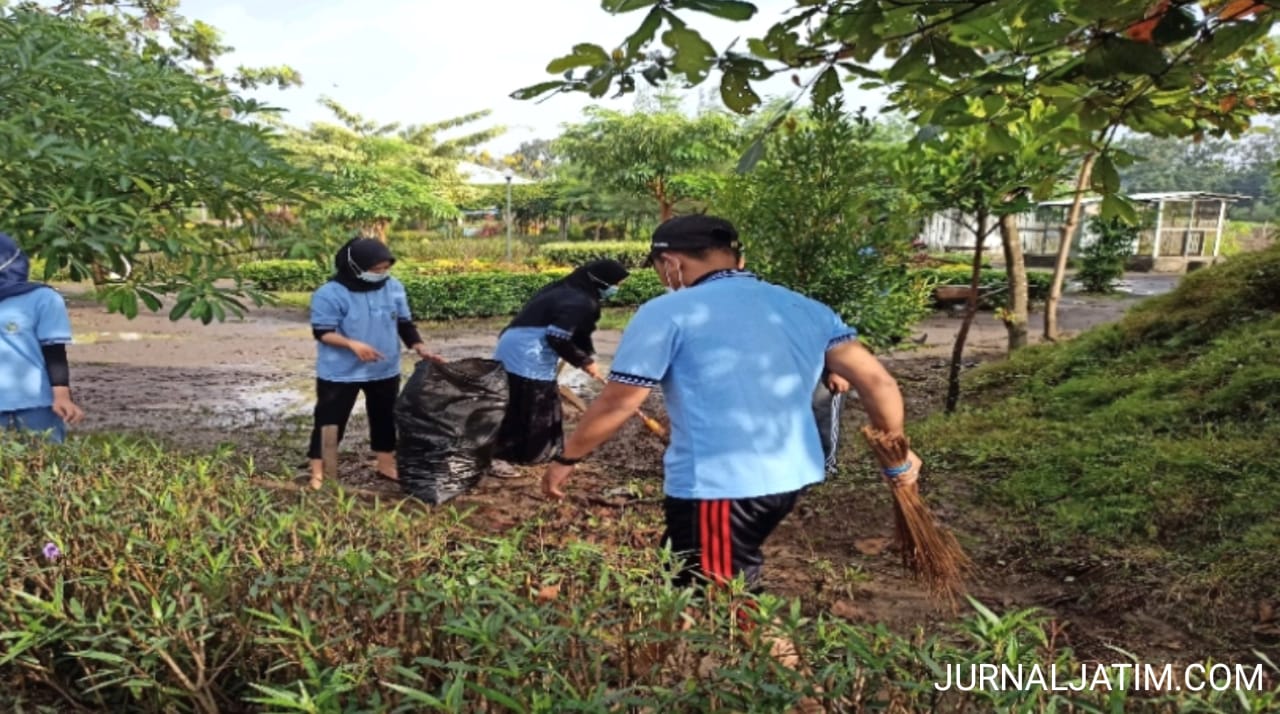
693 232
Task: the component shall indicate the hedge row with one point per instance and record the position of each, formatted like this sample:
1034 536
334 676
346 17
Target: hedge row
1038 281
629 253
445 297
443 290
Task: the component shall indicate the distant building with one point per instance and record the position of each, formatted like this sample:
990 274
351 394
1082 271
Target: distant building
1182 231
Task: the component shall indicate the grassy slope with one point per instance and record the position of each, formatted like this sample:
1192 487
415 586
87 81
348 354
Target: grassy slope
1152 440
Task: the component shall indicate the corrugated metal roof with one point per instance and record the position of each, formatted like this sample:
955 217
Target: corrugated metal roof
1155 196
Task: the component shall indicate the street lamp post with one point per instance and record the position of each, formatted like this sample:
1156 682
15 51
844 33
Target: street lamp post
508 175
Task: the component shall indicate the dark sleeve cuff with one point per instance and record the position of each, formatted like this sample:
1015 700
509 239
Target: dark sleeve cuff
55 363
632 380
320 332
409 334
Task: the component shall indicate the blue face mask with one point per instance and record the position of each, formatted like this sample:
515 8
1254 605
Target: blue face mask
608 291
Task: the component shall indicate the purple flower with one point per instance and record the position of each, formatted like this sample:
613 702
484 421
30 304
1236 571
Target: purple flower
51 552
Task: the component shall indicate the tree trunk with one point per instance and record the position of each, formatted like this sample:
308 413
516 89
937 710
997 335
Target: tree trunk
1015 267
99 272
970 311
1064 250
564 226
377 228
666 207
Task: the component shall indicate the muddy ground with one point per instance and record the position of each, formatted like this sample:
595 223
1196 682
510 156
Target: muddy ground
249 382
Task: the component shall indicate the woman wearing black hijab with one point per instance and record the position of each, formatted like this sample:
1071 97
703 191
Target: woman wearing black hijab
556 323
357 318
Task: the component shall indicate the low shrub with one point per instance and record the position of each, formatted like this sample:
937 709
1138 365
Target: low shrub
142 580
630 253
285 275
449 289
491 294
1038 282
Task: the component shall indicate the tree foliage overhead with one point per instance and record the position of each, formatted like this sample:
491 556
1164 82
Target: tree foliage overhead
156 31
664 155
108 158
1168 68
382 173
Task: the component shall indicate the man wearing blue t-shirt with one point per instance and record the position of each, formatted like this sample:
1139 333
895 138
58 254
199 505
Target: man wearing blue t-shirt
35 382
737 359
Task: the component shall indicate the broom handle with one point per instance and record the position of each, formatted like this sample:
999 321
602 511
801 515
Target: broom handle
650 423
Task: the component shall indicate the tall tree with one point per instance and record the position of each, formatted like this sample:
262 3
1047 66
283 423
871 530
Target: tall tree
107 156
157 31
664 155
830 211
381 173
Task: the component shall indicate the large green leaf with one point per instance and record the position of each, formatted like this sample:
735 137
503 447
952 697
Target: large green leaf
728 9
827 86
645 33
1229 38
736 91
583 55
913 62
1176 25
620 6
1115 56
1000 141
694 56
1105 179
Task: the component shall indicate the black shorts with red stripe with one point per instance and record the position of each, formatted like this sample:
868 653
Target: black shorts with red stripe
721 539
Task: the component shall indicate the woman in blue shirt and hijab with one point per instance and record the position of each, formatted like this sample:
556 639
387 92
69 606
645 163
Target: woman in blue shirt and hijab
35 382
358 318
556 324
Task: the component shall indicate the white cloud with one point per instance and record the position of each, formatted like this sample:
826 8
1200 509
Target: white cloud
425 60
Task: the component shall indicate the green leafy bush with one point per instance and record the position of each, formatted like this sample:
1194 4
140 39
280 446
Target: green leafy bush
630 253
285 275
137 579
444 290
445 297
1105 257
828 213
1038 281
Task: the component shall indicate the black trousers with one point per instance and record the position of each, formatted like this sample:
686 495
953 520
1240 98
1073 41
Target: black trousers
335 400
533 427
720 540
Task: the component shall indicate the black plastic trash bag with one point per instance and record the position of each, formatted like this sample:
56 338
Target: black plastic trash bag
447 420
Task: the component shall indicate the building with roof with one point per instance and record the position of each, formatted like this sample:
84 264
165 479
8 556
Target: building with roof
1181 230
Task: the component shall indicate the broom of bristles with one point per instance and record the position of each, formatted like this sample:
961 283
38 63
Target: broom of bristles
928 550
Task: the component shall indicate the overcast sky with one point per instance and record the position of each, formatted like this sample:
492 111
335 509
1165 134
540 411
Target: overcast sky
417 61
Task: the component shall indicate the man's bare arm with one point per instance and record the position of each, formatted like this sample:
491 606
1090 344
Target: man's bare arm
607 414
877 389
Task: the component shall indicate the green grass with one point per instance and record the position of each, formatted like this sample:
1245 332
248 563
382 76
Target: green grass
1152 440
181 584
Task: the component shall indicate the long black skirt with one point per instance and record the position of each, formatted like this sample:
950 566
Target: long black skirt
533 428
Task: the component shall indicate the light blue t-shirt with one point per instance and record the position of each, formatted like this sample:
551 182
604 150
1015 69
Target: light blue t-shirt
737 359
27 322
369 317
524 351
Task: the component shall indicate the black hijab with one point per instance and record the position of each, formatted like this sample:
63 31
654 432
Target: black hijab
355 257
596 275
